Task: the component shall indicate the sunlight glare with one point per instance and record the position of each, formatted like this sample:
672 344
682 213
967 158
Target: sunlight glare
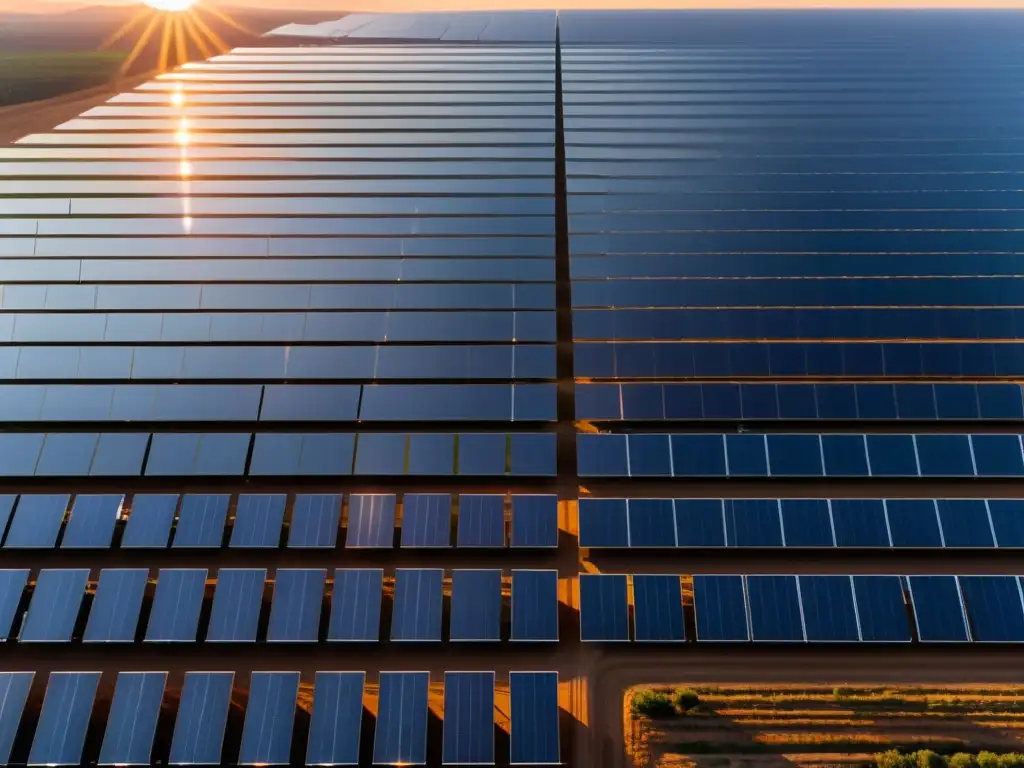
171 6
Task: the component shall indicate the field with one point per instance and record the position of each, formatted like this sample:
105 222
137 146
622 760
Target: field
749 727
34 76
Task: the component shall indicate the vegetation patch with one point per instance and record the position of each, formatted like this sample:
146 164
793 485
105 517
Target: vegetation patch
28 77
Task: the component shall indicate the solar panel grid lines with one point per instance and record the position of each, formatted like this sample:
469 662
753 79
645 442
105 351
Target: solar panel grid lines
356 605
468 735
476 605
401 734
132 722
269 719
336 719
534 606
418 605
533 724
604 607
657 608
198 737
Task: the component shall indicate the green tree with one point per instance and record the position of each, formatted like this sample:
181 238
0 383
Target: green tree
652 704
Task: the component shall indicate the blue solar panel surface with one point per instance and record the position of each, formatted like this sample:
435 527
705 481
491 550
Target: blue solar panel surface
150 521
994 606
176 605
426 520
720 607
36 523
481 521
258 520
401 735
533 733
476 605
296 606
201 520
315 520
131 725
658 608
371 521
604 607
237 601
356 605
91 525
336 720
828 609
468 718
938 610
12 587
202 716
53 611
14 690
535 605
114 613
269 716
774 607
64 719
418 604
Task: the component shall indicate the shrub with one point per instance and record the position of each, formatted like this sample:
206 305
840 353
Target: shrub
963 760
893 759
686 698
925 758
652 704
839 693
1011 760
988 760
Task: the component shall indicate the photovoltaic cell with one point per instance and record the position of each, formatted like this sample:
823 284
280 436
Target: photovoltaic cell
533 722
426 520
775 612
828 609
807 523
12 588
201 520
719 603
995 608
535 521
476 605
92 521
56 601
336 722
604 608
699 523
131 725
269 717
315 519
468 737
258 520
176 605
651 523
1007 522
202 716
860 523
535 606
752 523
64 719
603 523
355 605
965 523
150 521
881 609
401 736
481 521
418 604
237 601
658 609
37 521
297 604
938 610
14 689
371 521
114 614
913 523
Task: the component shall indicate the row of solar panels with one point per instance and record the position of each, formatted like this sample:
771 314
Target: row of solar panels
623 360
57 454
814 609
799 401
285 402
45 521
125 606
271 702
885 523
800 455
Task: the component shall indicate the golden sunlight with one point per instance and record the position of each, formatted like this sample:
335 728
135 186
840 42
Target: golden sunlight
172 6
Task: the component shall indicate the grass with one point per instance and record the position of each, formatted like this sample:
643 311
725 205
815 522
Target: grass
26 77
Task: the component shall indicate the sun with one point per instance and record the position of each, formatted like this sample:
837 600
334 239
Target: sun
171 6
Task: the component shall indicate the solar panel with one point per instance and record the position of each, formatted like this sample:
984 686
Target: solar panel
355 605
658 609
91 525
1007 518
201 520
12 588
604 608
426 520
913 523
807 523
37 521
418 604
699 523
7 502
269 717
371 521
603 523
965 523
827 608
535 521
774 605
56 600
131 724
719 604
746 455
476 605
468 737
752 523
297 605
994 606
533 720
114 614
336 722
315 520
150 521
652 523
237 601
938 609
14 689
401 736
176 604
64 719
481 521
860 523
535 606
202 716
881 609
258 520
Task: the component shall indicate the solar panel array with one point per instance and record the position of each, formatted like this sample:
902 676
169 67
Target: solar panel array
395 338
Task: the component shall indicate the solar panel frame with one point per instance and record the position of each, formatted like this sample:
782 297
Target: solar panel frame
416 589
269 719
426 521
481 521
56 603
363 621
403 697
131 723
14 690
479 719
342 715
198 737
475 605
67 707
533 700
371 521
535 588
604 591
118 600
659 587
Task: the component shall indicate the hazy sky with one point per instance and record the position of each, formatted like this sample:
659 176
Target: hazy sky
464 5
